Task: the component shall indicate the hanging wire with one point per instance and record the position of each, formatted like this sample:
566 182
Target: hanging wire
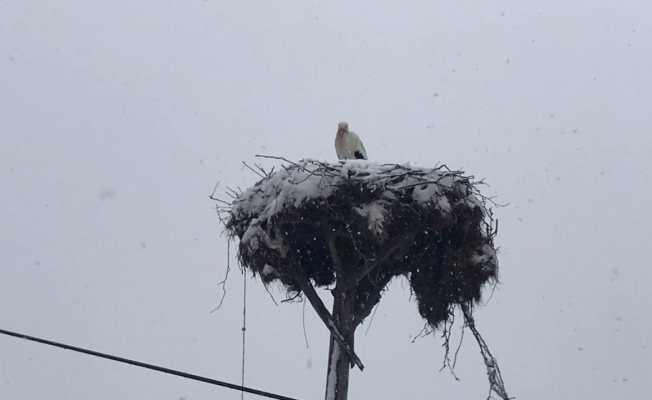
244 327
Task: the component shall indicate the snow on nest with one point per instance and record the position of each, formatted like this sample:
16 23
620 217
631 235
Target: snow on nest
375 213
309 180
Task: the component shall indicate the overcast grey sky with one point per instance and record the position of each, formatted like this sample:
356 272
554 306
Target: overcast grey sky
116 118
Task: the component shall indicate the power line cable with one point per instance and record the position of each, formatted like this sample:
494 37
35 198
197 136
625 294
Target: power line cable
153 367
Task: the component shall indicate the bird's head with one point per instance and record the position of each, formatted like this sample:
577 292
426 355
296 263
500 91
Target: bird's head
343 127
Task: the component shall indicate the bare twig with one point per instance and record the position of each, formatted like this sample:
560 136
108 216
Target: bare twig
271 296
212 195
222 283
293 298
371 321
447 331
425 331
459 346
491 295
215 198
263 170
232 193
250 168
278 158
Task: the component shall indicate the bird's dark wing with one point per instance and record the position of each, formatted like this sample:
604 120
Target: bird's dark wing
358 155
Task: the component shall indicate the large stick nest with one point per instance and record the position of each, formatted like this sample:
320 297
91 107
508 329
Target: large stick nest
431 225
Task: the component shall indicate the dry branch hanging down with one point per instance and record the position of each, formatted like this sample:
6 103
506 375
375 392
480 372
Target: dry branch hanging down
355 225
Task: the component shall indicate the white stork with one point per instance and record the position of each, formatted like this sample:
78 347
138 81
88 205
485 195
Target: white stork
348 145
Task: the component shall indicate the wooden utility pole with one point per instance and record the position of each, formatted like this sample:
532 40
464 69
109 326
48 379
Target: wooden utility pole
339 364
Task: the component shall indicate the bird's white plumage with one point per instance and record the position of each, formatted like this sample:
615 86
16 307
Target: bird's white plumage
348 145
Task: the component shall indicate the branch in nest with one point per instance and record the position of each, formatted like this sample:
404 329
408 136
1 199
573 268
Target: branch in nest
271 296
264 171
250 168
217 199
496 384
278 158
292 298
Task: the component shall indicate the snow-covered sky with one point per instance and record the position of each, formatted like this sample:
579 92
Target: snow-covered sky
116 119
